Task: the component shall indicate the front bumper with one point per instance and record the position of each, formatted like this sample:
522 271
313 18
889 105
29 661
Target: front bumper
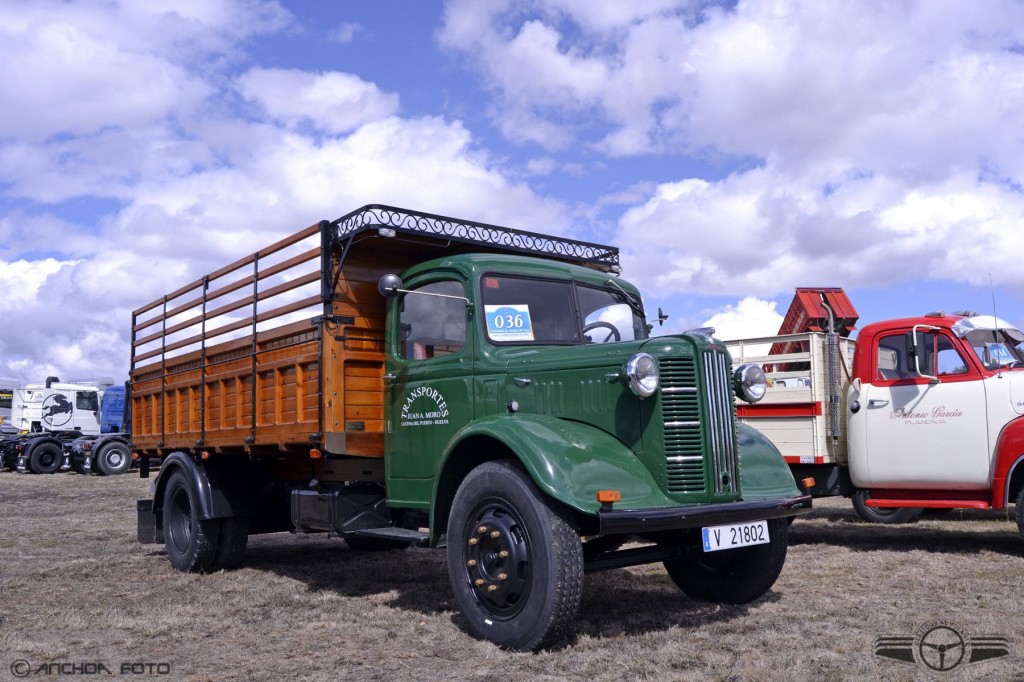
640 521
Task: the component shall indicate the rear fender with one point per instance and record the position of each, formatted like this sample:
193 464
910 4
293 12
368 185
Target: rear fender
213 486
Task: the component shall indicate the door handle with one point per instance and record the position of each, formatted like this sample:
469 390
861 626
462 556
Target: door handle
874 402
522 382
390 377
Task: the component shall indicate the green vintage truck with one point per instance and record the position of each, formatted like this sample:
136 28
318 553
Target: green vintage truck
395 378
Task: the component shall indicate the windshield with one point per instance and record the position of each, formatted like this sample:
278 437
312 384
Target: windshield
534 311
997 347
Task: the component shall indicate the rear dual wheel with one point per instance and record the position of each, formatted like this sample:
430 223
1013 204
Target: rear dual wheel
195 545
45 458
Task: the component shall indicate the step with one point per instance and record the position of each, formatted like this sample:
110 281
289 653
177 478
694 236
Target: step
404 534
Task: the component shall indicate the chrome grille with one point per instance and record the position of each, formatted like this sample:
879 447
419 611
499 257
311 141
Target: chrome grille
680 404
722 426
682 414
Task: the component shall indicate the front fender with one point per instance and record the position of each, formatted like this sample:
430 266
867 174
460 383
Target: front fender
1009 463
764 473
567 460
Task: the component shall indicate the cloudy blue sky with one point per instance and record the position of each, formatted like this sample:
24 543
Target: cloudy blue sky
733 150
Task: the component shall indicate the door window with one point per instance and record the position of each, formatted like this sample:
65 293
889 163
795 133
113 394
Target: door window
433 325
938 357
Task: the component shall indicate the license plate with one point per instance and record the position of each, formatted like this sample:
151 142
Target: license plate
737 535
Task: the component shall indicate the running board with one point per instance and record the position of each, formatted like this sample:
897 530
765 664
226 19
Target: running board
416 537
926 504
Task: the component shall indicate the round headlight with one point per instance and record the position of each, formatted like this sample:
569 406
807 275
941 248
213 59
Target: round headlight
751 382
642 374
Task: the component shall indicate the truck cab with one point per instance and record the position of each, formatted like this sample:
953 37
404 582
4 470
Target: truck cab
918 413
934 411
108 452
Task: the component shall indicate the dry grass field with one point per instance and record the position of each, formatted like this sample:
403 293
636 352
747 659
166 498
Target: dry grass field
76 589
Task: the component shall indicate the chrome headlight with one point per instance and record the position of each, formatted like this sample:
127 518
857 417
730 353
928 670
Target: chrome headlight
642 375
750 382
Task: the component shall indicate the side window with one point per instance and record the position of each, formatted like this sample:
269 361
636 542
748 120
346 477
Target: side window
938 356
87 401
431 324
606 318
948 359
892 358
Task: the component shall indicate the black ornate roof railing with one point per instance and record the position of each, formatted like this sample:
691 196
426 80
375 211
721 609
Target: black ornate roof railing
405 221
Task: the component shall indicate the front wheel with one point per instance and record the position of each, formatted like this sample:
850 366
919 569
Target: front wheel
515 560
1020 512
113 459
730 576
882 514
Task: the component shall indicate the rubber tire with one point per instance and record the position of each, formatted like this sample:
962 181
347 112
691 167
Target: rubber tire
191 544
232 538
732 576
102 460
882 514
1020 512
45 458
361 544
546 559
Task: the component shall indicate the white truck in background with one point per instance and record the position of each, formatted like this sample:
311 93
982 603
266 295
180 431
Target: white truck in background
918 413
50 415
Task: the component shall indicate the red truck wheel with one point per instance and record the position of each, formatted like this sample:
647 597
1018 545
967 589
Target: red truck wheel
514 560
1020 512
731 576
882 514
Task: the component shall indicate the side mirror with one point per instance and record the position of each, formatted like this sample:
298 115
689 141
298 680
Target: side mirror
389 285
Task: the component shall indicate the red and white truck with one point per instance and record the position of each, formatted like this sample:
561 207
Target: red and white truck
919 413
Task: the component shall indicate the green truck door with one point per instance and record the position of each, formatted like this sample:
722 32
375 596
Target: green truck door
430 382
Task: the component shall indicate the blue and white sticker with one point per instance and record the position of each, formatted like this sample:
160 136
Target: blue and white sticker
509 322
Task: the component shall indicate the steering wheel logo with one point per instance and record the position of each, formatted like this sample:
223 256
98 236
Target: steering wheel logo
942 648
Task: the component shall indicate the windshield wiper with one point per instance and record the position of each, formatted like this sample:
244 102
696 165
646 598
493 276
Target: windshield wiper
629 299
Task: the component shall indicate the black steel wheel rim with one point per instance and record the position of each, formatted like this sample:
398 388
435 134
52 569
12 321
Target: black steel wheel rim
498 558
47 458
179 528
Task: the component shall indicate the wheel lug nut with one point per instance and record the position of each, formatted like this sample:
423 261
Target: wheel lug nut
503 553
473 541
492 588
495 534
471 562
478 582
502 576
482 529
